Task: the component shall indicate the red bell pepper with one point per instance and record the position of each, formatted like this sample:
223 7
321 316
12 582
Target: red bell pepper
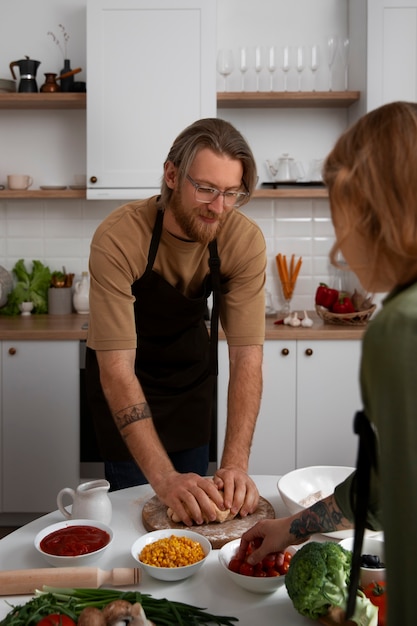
325 296
343 305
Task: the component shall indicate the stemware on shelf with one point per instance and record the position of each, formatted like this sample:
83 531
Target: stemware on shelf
225 64
300 61
344 51
259 64
332 44
285 63
272 65
243 64
314 63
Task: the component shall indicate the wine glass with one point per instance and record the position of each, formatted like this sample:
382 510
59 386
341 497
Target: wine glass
259 64
272 65
331 55
300 63
243 64
225 64
314 62
285 64
344 51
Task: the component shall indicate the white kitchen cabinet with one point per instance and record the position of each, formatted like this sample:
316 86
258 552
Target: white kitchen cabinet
392 51
151 72
310 395
273 448
327 398
39 423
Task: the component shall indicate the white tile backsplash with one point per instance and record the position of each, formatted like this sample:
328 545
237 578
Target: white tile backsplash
58 232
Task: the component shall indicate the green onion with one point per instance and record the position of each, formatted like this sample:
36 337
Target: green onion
71 602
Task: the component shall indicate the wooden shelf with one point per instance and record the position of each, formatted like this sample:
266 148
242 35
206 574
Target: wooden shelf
35 101
287 99
225 100
30 194
291 192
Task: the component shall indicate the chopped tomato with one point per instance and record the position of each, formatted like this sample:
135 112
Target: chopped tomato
234 565
246 569
56 620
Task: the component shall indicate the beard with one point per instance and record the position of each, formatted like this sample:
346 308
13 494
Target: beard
190 222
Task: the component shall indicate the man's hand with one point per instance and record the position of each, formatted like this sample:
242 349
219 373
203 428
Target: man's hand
240 492
191 496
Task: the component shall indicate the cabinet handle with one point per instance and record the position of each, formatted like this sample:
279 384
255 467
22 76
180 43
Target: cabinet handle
309 352
285 352
93 179
12 351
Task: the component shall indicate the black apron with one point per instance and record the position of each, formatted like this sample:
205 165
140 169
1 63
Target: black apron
176 360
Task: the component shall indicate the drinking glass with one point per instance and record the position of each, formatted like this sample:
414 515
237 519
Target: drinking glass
243 64
300 63
332 43
344 51
272 65
259 64
314 62
225 64
285 64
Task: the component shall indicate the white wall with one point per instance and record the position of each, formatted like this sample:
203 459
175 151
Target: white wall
51 145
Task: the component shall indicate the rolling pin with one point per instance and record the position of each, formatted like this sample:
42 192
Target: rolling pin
26 581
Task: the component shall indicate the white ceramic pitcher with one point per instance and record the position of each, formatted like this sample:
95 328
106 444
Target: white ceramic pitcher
89 501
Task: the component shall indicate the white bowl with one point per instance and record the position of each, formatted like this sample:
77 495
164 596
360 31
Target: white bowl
302 487
72 561
250 583
376 547
170 573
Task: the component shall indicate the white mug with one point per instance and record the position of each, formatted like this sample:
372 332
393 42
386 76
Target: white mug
19 181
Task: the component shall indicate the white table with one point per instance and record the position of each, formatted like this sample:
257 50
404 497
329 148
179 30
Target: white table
210 588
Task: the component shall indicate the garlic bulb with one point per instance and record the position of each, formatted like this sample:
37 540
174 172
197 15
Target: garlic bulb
294 320
306 322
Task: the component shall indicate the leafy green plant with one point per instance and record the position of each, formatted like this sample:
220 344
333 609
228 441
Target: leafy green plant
29 287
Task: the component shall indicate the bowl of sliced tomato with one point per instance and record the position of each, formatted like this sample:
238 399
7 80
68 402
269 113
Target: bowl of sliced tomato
264 577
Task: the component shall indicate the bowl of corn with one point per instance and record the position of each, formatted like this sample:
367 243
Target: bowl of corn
171 554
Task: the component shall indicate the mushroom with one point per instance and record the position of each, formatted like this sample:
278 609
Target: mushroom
90 616
121 612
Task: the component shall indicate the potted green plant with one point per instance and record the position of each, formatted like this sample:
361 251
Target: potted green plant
30 286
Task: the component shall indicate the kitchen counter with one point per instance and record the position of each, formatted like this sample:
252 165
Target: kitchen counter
61 327
210 587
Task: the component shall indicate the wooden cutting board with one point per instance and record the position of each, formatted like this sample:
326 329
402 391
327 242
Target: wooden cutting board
154 517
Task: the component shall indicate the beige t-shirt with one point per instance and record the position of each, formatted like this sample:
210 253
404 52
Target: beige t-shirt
118 257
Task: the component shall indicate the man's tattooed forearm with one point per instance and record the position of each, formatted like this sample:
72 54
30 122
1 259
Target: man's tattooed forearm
132 414
319 518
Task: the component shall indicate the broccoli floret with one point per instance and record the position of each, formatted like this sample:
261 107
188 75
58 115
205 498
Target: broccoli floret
318 579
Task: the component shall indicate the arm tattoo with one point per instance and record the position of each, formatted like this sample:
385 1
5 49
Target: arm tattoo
319 518
132 414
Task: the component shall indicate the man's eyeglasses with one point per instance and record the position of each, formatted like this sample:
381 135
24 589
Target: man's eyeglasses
231 199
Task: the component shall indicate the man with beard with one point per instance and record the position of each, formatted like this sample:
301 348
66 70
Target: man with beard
151 366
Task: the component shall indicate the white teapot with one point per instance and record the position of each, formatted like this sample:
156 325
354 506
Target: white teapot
285 169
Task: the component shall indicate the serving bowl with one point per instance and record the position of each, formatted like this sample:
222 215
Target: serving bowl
170 573
374 546
302 487
90 531
250 583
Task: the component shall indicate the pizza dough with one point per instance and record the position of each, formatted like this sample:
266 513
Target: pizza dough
221 516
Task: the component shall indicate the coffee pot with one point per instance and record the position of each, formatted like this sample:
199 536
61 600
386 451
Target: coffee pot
286 169
28 68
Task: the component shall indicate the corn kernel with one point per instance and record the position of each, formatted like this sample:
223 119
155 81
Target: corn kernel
172 551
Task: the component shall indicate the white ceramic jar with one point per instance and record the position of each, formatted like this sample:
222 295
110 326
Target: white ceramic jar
81 295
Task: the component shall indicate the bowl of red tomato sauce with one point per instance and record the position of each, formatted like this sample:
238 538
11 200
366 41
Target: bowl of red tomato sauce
265 577
73 542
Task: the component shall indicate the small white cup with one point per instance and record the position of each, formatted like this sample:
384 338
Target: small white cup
19 181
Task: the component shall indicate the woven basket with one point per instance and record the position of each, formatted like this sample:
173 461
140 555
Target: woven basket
359 318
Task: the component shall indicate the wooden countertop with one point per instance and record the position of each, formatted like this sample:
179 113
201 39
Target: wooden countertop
73 327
